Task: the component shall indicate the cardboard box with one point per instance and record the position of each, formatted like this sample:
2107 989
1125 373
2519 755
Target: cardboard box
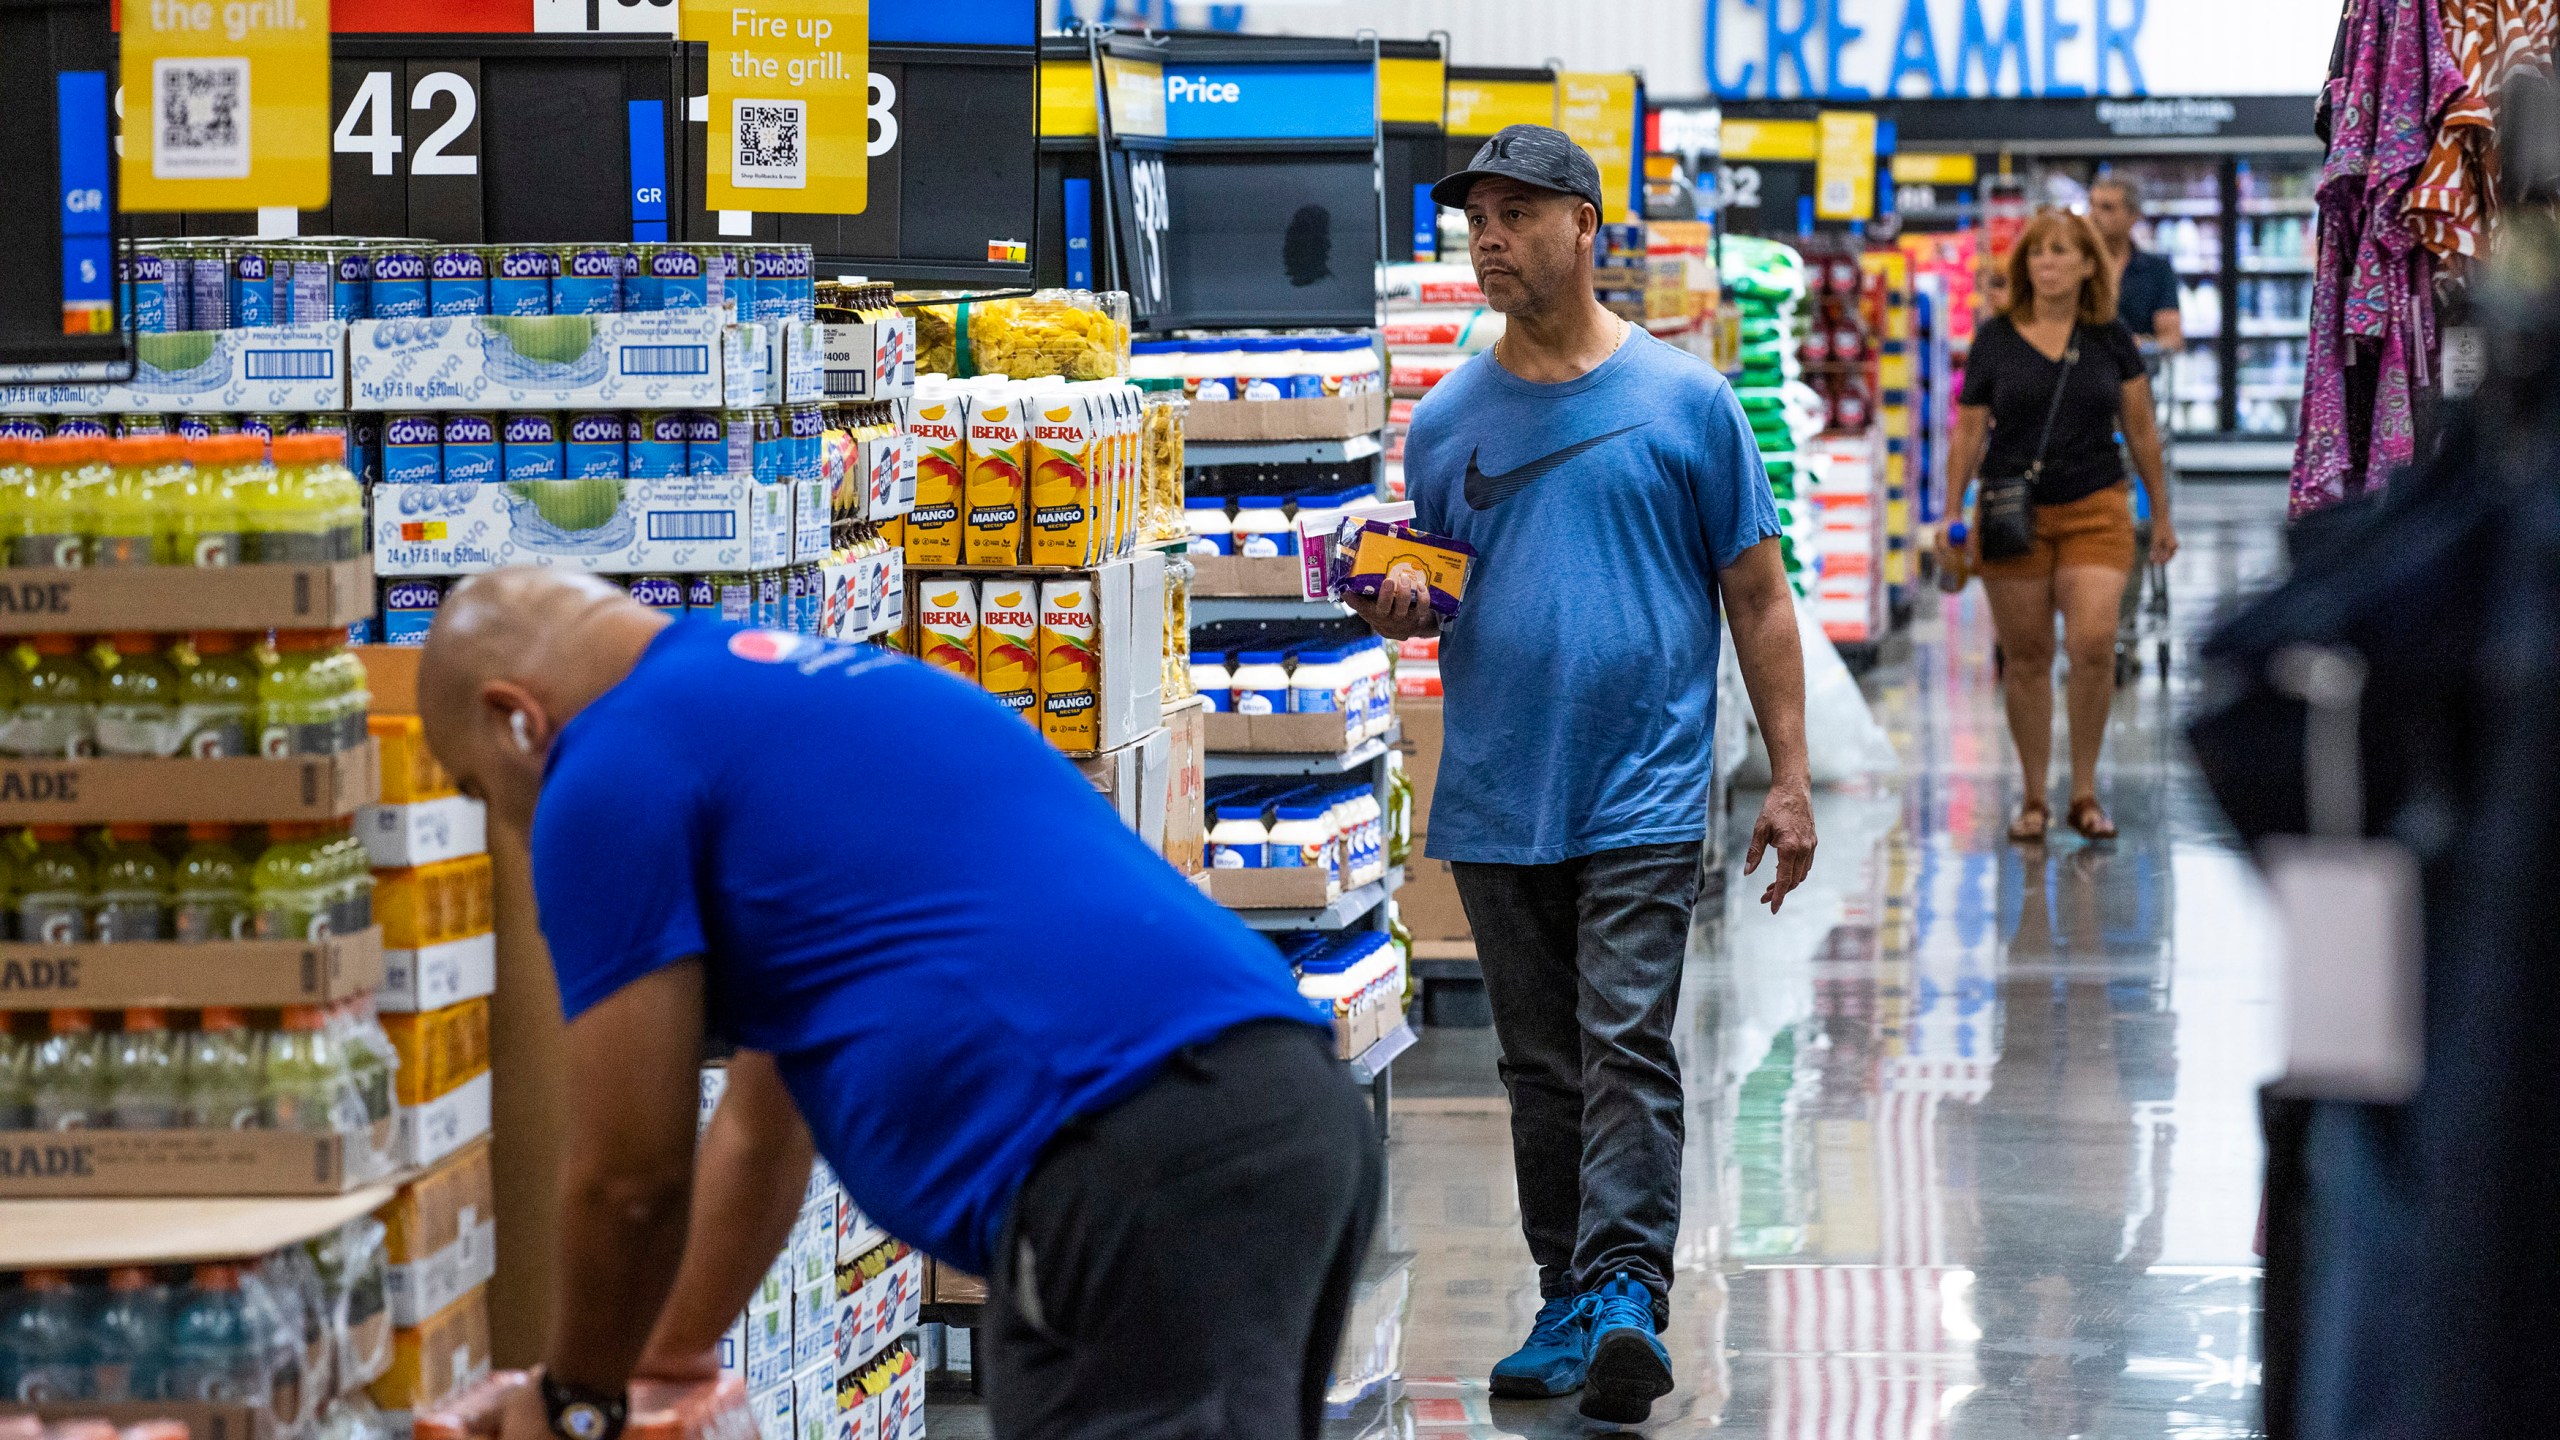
439 1049
1186 786
391 674
1428 904
426 1133
275 367
865 595
441 1358
204 1420
442 1239
432 977
423 832
1246 575
768 1348
48 1164
813 1402
654 360
257 974
949 1286
410 771
610 527
869 359
1137 779
1317 733
431 904
162 792
774 1408
1129 598
1337 417
169 598
1420 745
1272 889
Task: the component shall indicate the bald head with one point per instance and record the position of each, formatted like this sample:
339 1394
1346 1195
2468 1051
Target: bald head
512 656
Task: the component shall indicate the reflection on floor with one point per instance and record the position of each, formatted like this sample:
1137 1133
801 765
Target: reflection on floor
1972 1149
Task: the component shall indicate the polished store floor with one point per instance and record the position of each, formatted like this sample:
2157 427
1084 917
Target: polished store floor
1972 1148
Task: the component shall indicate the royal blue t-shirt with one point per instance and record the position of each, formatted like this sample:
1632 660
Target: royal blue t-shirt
1580 671
949 941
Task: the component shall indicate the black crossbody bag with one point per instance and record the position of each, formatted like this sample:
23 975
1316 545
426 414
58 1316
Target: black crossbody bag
2005 511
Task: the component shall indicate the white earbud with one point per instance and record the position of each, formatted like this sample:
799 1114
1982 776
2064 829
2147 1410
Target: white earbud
524 733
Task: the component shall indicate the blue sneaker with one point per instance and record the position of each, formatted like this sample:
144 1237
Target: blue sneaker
1557 1353
1629 1369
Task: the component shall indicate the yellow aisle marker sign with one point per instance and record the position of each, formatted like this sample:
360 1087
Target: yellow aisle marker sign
790 106
1844 165
227 105
1412 92
1599 111
1486 107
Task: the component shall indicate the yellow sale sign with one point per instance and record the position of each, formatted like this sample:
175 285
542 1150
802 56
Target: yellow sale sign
1599 111
226 104
790 107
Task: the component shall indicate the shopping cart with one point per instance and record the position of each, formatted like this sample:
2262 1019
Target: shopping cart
2143 616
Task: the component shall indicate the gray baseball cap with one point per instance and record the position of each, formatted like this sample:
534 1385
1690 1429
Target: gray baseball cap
1539 155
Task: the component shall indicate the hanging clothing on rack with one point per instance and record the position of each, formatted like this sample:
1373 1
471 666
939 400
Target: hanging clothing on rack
2413 1267
2373 324
2455 197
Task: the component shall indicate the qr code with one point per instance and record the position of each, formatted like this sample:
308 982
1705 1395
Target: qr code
772 143
201 106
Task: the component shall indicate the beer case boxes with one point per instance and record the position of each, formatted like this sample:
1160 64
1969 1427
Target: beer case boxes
438 1358
865 595
439 1050
255 974
442 1235
433 904
433 977
423 832
869 359
410 771
163 792
677 525
268 368
652 360
167 598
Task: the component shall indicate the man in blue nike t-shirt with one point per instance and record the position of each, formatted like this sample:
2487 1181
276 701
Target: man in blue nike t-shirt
1025 1044
1609 485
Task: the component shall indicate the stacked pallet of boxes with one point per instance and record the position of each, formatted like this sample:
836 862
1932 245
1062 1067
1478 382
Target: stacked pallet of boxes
830 1346
196 1101
433 886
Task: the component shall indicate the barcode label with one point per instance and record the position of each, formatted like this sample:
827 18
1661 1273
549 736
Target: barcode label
666 359
693 525
289 364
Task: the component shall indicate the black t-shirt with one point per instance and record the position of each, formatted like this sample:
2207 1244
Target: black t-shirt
2149 286
2016 381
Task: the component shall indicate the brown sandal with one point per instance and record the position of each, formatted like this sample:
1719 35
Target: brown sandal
2019 831
2090 819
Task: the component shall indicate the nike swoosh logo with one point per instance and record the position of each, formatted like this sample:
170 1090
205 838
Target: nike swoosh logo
1486 491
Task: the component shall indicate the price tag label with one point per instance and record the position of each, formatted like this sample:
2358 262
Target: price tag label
790 118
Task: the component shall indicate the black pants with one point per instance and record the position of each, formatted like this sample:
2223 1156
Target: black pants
1581 963
1178 1266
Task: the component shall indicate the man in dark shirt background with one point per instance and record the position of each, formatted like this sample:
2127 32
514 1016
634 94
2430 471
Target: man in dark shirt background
2146 284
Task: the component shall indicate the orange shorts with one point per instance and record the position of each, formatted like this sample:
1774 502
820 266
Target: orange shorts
2092 530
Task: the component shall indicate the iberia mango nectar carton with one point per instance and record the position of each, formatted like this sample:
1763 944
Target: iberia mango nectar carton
1009 645
939 423
1064 438
1071 663
947 624
998 457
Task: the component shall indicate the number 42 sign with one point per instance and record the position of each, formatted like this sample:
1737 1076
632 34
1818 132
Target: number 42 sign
790 116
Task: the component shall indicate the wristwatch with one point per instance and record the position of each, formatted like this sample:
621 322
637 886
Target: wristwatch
578 1413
